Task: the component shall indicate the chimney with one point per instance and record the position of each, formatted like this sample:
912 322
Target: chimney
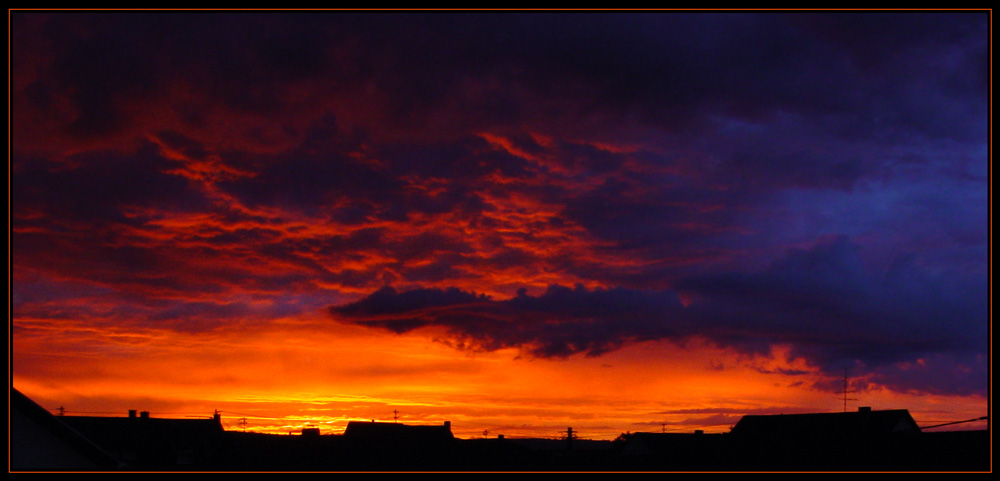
447 425
144 415
865 409
499 436
699 431
131 413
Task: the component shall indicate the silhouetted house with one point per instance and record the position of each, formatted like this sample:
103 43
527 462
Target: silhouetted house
359 431
861 440
143 442
862 423
400 446
41 441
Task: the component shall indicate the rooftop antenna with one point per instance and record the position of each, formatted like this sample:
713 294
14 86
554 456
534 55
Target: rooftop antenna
846 392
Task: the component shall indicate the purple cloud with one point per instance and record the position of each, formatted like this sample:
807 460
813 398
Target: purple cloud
822 301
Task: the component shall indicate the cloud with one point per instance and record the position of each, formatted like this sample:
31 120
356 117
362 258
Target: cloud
413 71
823 302
740 411
833 310
805 179
387 301
559 323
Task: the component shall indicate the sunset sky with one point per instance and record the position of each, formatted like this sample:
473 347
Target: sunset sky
517 222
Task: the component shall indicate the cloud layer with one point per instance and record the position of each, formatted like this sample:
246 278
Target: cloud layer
821 302
813 180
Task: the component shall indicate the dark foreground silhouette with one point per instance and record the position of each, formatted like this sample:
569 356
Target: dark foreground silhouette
860 441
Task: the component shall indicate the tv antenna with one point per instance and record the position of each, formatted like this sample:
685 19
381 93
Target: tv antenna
846 392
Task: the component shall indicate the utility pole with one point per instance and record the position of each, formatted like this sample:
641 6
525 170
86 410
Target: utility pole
243 423
395 415
570 435
62 411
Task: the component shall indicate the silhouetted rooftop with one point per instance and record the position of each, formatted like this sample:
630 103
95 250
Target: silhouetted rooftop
863 422
40 440
146 442
397 432
865 440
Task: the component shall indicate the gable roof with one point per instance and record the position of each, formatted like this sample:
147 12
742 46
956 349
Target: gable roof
123 427
144 442
863 422
397 432
39 440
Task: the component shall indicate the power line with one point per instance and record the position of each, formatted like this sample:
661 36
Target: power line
983 418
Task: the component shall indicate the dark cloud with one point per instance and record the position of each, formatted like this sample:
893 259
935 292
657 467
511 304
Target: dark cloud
387 301
313 183
833 310
674 70
741 411
782 371
182 143
113 61
635 218
938 374
96 187
823 302
558 323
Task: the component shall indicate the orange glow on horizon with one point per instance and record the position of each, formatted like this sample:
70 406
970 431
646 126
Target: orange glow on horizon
282 379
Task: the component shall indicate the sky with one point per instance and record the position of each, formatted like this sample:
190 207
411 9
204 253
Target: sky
516 222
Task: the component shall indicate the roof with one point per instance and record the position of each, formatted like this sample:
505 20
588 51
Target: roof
39 440
814 425
397 446
119 427
397 432
145 442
